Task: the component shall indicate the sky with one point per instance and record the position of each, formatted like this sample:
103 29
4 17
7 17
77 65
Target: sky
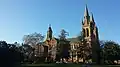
22 17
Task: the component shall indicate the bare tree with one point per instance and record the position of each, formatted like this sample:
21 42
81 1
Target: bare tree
33 38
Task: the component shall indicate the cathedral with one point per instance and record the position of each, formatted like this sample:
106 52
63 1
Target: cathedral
90 35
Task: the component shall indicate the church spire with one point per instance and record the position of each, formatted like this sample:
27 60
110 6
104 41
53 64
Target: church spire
86 16
86 13
91 18
49 33
50 29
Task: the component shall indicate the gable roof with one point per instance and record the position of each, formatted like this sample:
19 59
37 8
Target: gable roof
73 39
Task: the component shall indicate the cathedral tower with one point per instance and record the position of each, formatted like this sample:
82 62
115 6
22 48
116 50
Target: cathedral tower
90 32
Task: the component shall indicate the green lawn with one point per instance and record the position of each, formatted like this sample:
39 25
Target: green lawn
66 65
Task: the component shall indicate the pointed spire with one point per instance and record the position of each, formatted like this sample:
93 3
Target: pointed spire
91 17
86 11
50 29
49 33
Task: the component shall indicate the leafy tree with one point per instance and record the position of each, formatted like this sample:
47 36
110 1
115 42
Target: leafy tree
111 52
9 54
102 43
33 39
63 34
17 44
3 44
28 52
63 45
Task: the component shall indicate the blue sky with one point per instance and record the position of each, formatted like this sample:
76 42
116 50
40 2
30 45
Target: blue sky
21 17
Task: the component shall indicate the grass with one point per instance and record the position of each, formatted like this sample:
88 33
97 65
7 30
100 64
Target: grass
65 65
39 65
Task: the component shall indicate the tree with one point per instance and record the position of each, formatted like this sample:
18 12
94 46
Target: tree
33 39
17 44
3 44
9 54
63 45
28 52
111 51
29 42
102 43
63 34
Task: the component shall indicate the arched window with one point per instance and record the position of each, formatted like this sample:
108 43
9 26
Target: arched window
87 32
84 34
